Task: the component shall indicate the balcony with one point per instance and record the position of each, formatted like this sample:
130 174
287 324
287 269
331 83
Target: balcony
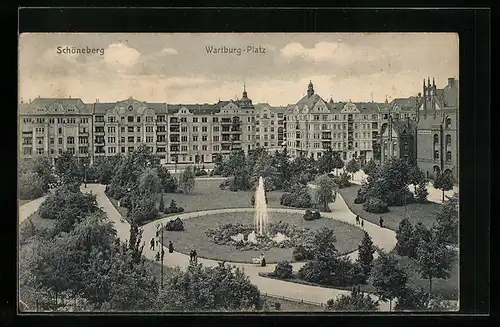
225 121
174 121
175 141
99 123
172 130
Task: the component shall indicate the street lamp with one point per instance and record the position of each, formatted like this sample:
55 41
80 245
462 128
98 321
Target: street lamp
162 255
85 174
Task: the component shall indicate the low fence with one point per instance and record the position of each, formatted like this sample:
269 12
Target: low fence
292 299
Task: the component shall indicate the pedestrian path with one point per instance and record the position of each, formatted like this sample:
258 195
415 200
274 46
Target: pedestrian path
435 195
266 285
29 208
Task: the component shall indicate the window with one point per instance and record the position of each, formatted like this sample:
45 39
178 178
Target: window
149 139
215 119
51 140
184 148
130 129
112 119
122 139
448 139
149 129
130 119
111 139
203 119
60 151
122 129
83 140
149 119
195 119
130 149
184 138
436 155
183 119
204 138
59 130
60 140
111 149
195 147
195 129
99 119
138 129
111 129
448 156
448 122
70 140
131 139
436 139
122 150
51 151
138 119
215 138
216 148
138 139
195 138
71 150
204 147
184 129
204 129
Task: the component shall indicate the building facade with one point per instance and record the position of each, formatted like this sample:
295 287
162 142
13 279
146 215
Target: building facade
424 128
437 136
314 125
49 127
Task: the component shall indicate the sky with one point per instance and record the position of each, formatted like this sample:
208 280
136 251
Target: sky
274 67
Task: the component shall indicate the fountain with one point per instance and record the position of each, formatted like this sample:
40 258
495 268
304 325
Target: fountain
261 217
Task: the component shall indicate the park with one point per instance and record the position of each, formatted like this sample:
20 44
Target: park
333 238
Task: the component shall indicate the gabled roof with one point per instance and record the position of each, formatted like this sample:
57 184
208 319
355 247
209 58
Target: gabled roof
196 109
63 106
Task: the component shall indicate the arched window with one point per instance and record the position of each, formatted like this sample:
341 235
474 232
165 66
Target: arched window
436 154
448 139
406 146
448 156
436 138
448 122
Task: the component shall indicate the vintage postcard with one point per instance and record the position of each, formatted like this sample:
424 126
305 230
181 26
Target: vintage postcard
278 172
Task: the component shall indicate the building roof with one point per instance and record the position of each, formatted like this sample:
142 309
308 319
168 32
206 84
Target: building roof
260 106
404 125
197 109
450 94
55 106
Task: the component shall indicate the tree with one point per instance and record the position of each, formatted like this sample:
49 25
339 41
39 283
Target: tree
219 165
161 206
416 176
283 167
283 270
207 289
168 183
187 180
447 221
298 196
389 279
444 182
326 191
405 238
370 167
328 161
67 168
412 300
356 301
390 183
365 254
421 192
434 259
31 186
352 166
149 182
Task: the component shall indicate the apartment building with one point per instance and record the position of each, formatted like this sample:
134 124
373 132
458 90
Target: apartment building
314 125
437 129
270 127
49 127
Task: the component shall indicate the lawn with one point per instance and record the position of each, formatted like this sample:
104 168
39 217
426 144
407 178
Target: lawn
447 288
194 237
207 195
416 212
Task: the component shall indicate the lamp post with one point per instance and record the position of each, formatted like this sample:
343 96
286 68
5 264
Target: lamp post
85 174
161 254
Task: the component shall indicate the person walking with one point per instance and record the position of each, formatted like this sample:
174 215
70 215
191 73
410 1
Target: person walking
362 224
170 247
195 257
152 244
191 256
381 221
162 253
157 257
357 219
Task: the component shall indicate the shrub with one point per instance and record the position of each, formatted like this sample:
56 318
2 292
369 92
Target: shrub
339 271
125 202
375 205
421 192
309 215
180 209
343 180
277 305
175 225
361 195
299 197
31 186
301 253
283 270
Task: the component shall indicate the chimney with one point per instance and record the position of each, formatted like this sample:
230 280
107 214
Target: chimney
21 100
451 81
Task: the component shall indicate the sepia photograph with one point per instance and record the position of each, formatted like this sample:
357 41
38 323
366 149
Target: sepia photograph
238 172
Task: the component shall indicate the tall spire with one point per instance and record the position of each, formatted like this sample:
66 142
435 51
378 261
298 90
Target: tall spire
386 100
245 95
433 82
310 89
